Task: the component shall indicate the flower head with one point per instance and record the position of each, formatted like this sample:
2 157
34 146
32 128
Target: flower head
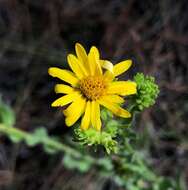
91 84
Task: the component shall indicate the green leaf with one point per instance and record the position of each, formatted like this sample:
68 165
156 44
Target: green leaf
7 116
75 163
106 163
37 137
40 133
49 149
15 138
106 114
167 184
32 140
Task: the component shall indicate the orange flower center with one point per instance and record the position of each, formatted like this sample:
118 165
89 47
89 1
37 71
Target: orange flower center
93 87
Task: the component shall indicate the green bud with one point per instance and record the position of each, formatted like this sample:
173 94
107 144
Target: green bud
147 91
92 137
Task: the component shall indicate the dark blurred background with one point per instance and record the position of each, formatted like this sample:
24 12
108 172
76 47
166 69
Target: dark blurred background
37 34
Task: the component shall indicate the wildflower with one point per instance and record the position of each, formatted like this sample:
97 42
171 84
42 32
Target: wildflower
92 84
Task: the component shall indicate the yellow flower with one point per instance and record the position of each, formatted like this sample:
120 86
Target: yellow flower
91 84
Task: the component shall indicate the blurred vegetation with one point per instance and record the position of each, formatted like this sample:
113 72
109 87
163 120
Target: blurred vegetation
38 34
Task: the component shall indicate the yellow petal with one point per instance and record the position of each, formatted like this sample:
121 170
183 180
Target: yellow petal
64 100
114 108
95 60
121 67
82 56
77 67
108 76
114 98
64 75
95 115
122 88
86 118
107 65
96 52
74 111
81 53
91 63
64 89
74 65
70 109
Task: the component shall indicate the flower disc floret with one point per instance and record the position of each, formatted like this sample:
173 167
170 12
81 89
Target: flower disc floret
93 87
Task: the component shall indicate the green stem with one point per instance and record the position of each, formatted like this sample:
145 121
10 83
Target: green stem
11 131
